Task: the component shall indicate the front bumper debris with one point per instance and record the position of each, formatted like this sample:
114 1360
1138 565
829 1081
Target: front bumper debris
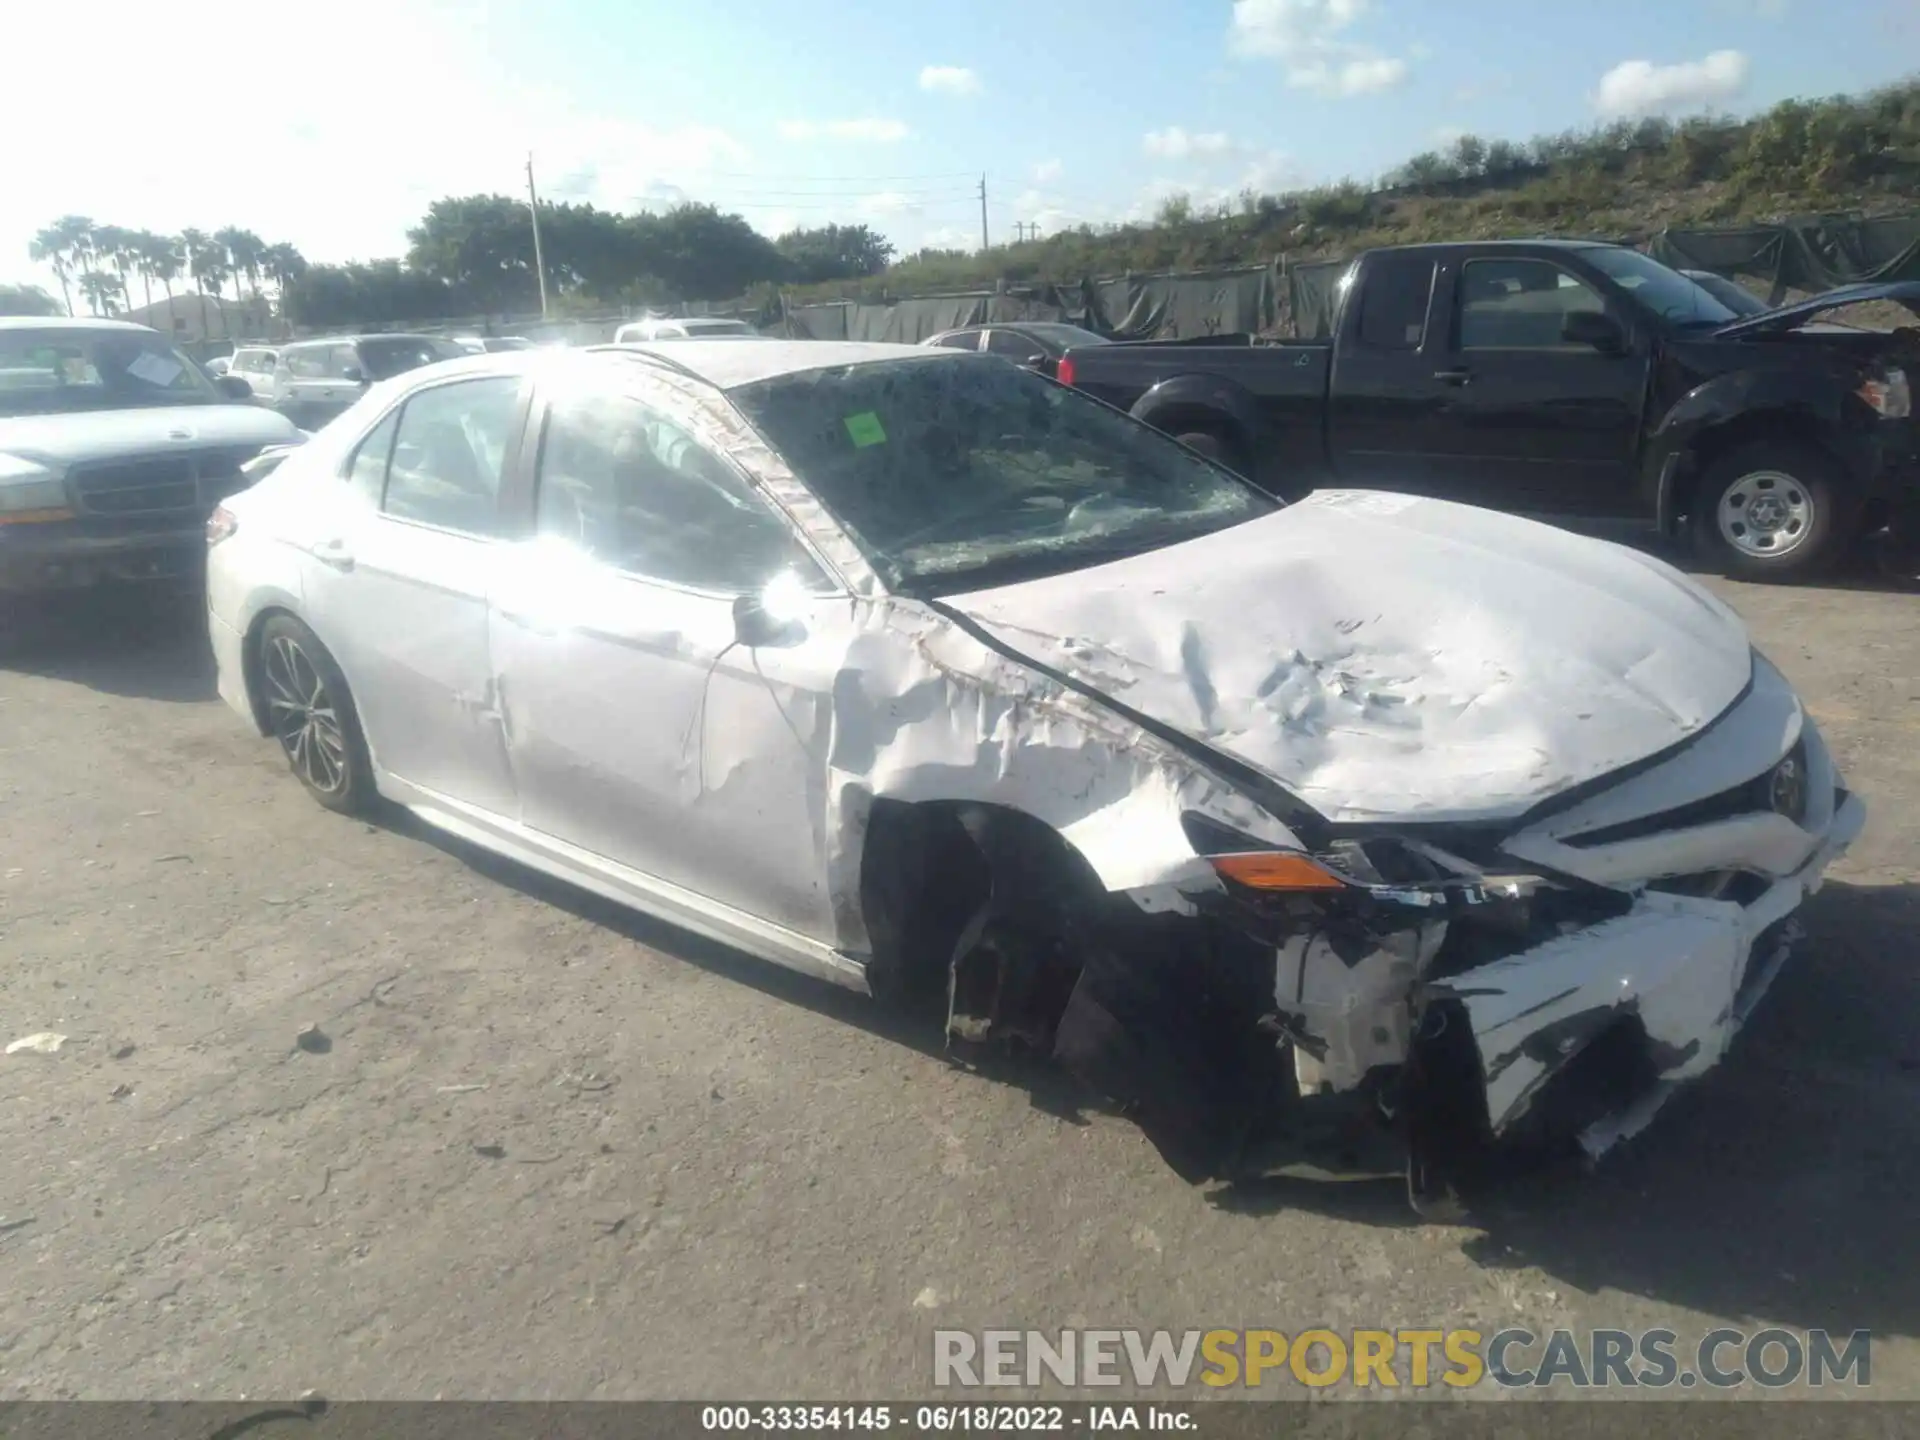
1671 982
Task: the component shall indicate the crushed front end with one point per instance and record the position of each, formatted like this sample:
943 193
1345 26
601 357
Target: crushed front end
1407 999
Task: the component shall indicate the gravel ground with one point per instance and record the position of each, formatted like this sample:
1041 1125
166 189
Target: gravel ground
549 1150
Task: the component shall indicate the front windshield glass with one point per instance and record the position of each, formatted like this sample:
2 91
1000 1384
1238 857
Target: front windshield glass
1662 290
57 370
954 472
1730 293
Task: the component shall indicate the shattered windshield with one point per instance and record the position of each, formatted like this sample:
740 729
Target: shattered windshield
956 471
1662 290
56 370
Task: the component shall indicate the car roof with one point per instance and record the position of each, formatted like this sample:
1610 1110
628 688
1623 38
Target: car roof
730 366
71 322
725 367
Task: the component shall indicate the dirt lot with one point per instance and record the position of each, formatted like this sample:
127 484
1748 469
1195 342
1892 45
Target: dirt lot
555 1151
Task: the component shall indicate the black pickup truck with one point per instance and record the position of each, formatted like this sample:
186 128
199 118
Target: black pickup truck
1560 377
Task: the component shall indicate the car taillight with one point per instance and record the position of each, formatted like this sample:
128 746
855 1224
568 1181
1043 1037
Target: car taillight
1890 395
1065 373
222 523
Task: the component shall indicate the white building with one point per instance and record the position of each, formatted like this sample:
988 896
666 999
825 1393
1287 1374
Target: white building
248 319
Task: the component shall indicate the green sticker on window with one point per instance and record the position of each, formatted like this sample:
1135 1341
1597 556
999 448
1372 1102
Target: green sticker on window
865 429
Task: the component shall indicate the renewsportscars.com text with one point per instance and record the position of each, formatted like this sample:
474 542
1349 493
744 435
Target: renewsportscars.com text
1590 1359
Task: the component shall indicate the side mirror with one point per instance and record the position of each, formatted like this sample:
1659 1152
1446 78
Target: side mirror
1035 362
755 626
233 387
354 375
1594 328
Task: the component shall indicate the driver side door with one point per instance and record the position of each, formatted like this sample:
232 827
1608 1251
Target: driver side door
640 729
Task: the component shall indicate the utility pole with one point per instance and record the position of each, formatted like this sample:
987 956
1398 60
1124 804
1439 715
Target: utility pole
983 211
539 260
1019 231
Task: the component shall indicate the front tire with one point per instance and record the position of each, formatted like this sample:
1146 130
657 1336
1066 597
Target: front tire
311 716
1773 511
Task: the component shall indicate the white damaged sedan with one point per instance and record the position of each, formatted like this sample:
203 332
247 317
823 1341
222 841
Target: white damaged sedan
1355 836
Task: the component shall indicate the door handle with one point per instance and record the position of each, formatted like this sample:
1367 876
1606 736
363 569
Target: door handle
334 553
1453 377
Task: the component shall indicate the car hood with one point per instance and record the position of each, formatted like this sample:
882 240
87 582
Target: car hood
1796 315
57 441
1390 658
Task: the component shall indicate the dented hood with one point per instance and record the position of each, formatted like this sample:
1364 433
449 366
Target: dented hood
1799 314
1391 658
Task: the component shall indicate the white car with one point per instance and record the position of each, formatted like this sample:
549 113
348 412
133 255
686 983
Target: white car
1370 823
255 365
643 332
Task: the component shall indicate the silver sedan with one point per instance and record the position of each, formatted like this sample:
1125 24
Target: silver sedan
1362 834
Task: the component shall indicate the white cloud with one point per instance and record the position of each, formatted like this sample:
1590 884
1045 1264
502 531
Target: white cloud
1308 38
891 202
949 80
1448 135
876 131
1639 87
1173 143
1047 171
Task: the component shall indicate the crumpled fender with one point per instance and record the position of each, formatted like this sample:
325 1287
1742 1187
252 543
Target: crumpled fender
924 712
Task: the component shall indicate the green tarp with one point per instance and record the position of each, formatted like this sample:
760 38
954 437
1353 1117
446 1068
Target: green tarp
1812 254
1139 307
1299 298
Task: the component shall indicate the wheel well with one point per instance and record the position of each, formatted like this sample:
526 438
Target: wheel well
927 868
250 665
1708 448
1188 418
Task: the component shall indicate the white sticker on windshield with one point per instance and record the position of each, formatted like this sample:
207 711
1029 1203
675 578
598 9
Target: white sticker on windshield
153 368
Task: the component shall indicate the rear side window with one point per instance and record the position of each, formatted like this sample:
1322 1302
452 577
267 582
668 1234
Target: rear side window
1393 302
960 340
308 364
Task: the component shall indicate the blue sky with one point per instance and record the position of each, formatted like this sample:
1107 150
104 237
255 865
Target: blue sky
336 136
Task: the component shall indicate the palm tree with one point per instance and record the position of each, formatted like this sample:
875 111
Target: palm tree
206 262
64 247
283 265
164 260
246 252
144 244
100 288
114 245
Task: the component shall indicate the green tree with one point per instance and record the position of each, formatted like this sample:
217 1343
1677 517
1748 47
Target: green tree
113 246
29 300
65 247
101 289
207 264
246 254
164 257
833 252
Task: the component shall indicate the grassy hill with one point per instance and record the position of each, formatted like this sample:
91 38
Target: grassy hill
1626 180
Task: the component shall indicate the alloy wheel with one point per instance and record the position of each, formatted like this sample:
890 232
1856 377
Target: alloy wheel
304 717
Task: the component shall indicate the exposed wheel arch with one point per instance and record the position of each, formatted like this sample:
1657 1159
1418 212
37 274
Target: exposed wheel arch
1232 445
1708 447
